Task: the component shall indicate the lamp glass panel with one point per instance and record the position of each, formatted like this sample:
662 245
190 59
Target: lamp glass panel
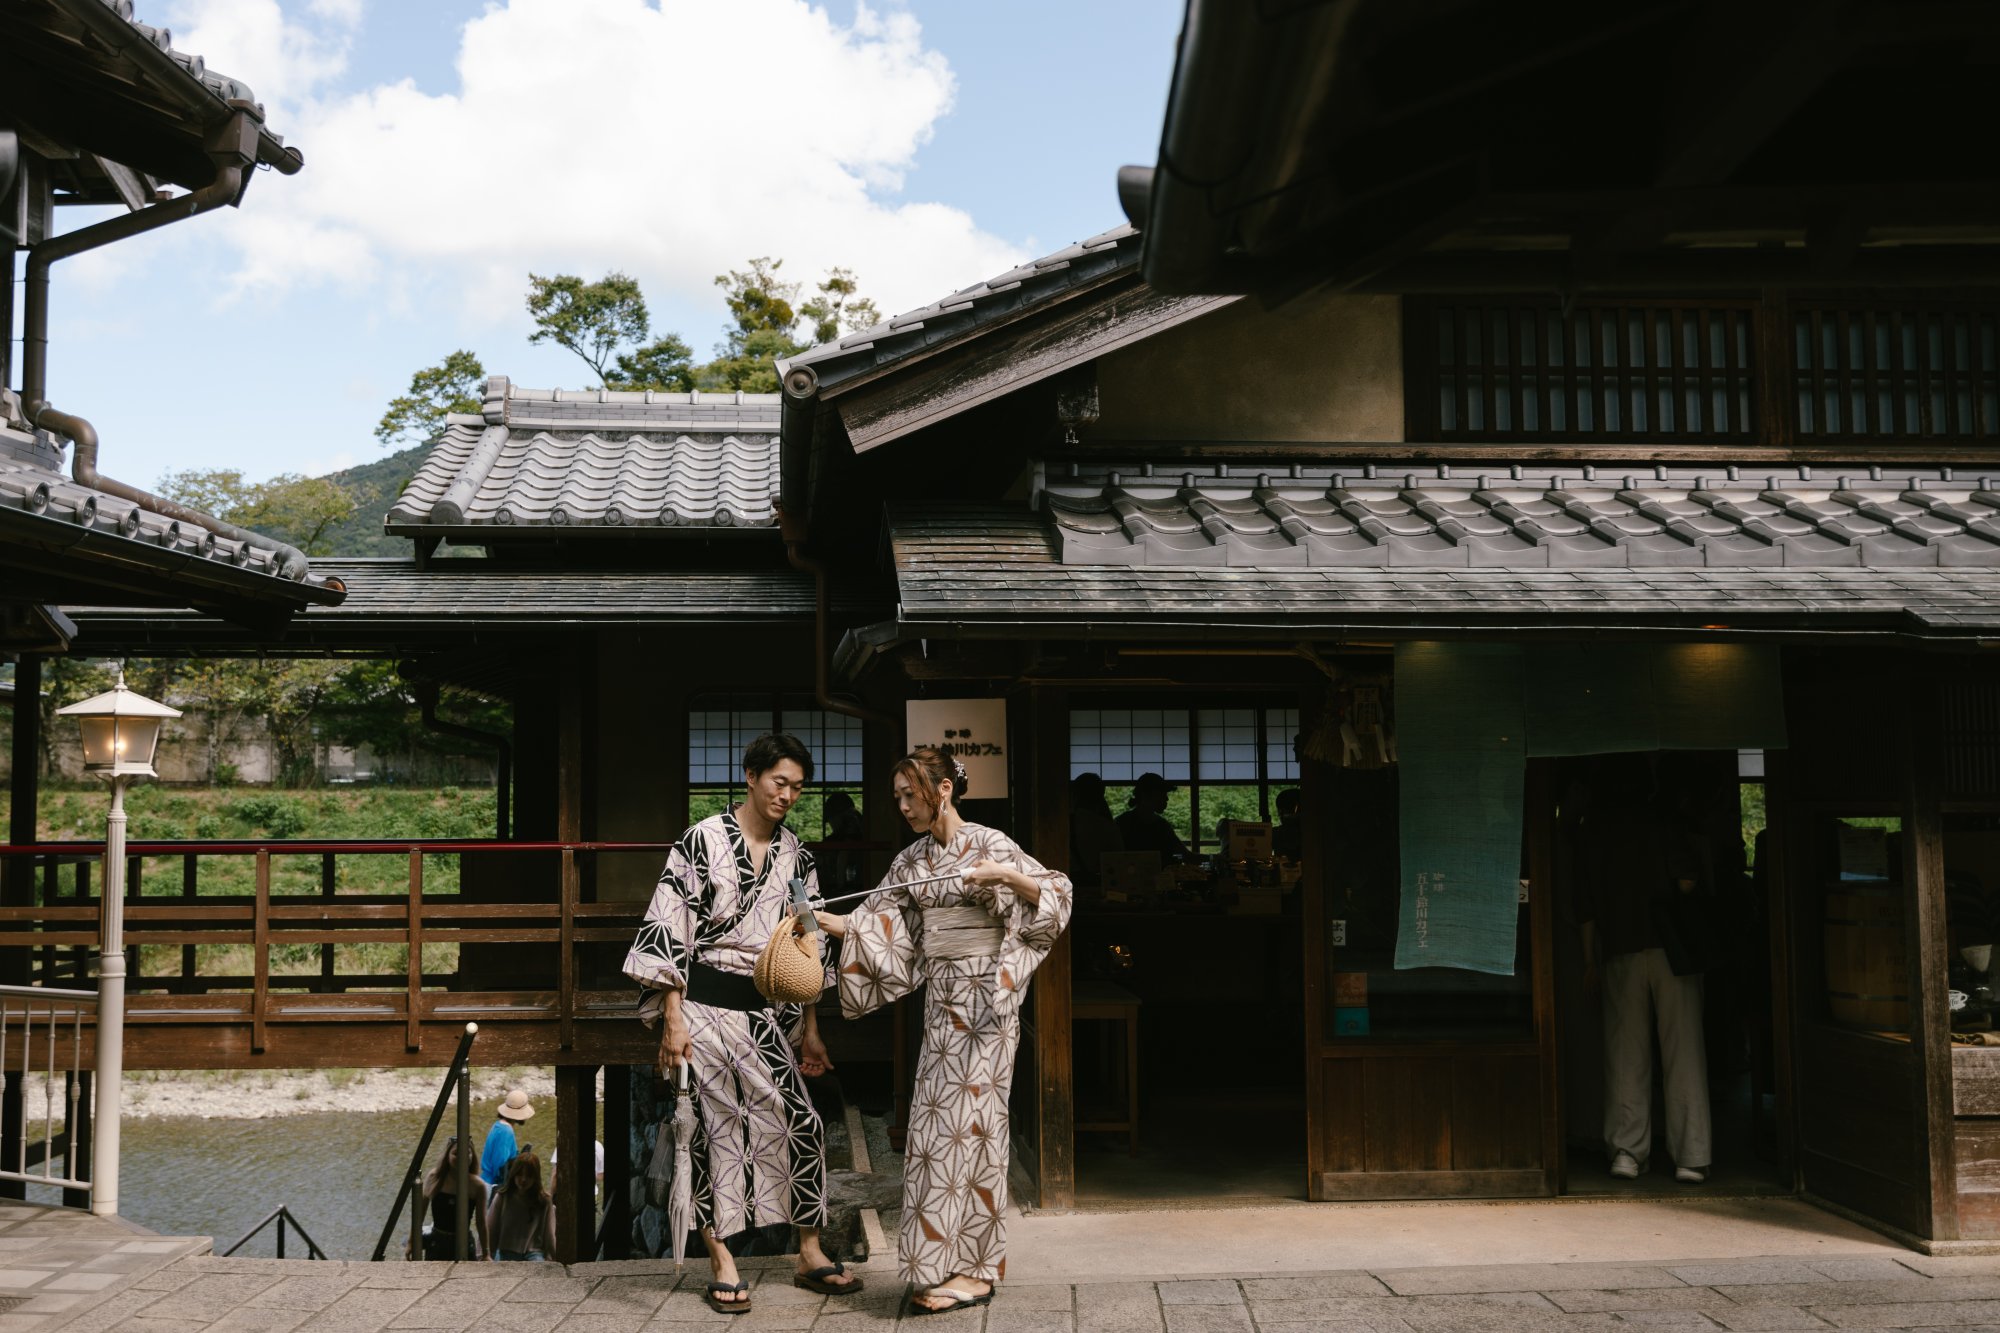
100 741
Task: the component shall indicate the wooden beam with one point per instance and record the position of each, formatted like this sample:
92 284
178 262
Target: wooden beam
1924 896
576 1153
1540 808
1752 90
885 410
1048 724
1317 810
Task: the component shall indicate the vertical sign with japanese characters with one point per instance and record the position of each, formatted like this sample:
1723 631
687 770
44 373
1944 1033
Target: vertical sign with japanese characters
974 731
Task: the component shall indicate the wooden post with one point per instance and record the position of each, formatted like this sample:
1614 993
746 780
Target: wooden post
413 1036
617 1161
261 946
1775 865
576 1153
1048 767
1923 878
17 875
1540 808
566 962
1316 810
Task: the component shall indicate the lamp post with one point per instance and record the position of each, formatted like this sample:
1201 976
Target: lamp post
121 730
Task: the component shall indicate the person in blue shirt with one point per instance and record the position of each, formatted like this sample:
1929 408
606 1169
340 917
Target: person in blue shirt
515 1109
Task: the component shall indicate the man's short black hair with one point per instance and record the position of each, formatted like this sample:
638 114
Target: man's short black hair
1288 801
767 751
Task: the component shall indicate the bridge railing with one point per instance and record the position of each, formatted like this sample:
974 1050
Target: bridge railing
42 1032
479 931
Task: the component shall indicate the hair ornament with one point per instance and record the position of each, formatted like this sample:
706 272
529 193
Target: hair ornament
957 772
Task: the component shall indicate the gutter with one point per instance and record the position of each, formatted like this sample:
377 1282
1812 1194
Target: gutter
503 754
234 148
794 535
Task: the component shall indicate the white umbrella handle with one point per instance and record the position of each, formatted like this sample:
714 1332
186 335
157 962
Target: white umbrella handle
681 1075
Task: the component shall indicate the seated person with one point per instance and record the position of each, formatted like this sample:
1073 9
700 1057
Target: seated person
1144 827
1288 840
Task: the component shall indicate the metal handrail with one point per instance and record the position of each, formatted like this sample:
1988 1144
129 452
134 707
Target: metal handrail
281 1215
67 1145
458 1077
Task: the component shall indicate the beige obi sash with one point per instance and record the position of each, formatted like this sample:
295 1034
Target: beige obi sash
961 932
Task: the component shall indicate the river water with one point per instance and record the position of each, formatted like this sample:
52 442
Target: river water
336 1170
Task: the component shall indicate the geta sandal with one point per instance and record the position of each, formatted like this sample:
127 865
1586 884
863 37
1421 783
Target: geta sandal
816 1280
728 1307
960 1300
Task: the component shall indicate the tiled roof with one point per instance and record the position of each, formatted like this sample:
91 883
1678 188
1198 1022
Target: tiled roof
46 510
107 37
996 572
397 603
971 309
602 461
1523 516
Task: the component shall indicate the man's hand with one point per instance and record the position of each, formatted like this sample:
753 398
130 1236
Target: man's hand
812 1056
676 1043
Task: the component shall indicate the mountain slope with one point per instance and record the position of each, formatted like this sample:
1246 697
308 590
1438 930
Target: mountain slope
374 487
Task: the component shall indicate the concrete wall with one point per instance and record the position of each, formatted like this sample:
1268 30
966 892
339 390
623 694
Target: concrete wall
191 754
1323 368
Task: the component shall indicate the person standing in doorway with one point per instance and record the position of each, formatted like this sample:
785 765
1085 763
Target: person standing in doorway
759 1150
1636 869
501 1145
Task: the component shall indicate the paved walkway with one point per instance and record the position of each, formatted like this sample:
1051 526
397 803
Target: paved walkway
1400 1269
1751 1294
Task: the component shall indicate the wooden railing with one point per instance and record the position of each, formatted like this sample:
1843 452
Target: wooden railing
554 952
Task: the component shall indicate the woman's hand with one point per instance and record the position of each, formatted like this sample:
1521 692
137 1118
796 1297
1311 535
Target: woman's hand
833 924
988 874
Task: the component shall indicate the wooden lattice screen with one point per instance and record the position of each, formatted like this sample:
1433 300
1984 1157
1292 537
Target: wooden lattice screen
1911 372
1524 369
1804 371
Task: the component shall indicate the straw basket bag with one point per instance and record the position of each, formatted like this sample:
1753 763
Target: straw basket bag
789 969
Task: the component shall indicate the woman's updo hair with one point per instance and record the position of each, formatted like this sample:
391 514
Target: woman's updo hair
928 769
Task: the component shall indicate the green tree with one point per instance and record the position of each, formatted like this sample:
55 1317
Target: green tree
417 417
839 308
665 364
761 330
294 509
591 319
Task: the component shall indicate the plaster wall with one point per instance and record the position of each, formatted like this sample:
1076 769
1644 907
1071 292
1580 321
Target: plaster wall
1319 369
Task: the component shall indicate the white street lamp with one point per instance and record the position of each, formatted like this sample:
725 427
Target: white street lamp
121 730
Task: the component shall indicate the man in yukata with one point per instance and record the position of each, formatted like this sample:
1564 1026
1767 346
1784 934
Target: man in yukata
759 1150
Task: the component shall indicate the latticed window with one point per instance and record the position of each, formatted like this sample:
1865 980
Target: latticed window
1525 369
1918 371
720 726
1227 763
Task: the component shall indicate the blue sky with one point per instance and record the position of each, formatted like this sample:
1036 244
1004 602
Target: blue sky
451 146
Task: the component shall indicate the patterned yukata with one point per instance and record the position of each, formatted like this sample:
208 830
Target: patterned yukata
955 1159
759 1150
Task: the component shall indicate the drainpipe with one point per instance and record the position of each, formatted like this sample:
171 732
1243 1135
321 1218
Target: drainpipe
503 753
233 147
795 552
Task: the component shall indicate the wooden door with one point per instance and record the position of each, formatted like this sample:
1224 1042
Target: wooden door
1414 1110
1858 888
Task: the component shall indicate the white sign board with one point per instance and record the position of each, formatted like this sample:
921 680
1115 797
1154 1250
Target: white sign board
974 731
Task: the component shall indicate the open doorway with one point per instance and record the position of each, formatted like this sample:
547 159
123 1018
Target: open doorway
1188 992
1667 1018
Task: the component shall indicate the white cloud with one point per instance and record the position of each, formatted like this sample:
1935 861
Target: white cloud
672 140
283 61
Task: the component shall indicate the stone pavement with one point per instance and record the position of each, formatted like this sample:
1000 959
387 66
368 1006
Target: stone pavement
1904 1291
56 1262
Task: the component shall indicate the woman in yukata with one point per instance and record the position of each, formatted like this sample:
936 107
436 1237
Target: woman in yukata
972 938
